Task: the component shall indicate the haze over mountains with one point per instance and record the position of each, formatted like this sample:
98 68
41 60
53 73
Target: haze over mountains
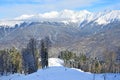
81 32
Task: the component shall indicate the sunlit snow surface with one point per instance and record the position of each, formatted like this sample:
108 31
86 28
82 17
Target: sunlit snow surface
58 72
55 62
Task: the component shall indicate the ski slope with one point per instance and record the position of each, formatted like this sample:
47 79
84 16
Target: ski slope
59 72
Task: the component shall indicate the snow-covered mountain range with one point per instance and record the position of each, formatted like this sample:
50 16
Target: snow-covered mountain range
67 16
81 32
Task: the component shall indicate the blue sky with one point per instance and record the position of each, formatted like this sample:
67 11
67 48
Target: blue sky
14 8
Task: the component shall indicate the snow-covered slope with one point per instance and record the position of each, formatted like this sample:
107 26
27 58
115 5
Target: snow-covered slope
9 23
108 16
59 72
67 16
55 62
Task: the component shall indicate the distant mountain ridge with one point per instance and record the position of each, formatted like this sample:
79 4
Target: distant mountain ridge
92 35
66 16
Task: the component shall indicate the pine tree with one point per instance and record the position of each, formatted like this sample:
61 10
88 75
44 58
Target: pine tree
32 48
29 55
45 44
5 61
42 54
16 60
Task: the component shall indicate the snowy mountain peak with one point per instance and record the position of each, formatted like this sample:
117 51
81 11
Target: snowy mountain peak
68 16
9 23
25 16
52 14
108 17
56 15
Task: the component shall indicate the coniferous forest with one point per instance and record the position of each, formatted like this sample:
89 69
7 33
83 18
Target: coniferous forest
35 56
26 61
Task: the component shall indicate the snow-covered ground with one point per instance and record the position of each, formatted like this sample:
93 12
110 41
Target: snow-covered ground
55 62
58 72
